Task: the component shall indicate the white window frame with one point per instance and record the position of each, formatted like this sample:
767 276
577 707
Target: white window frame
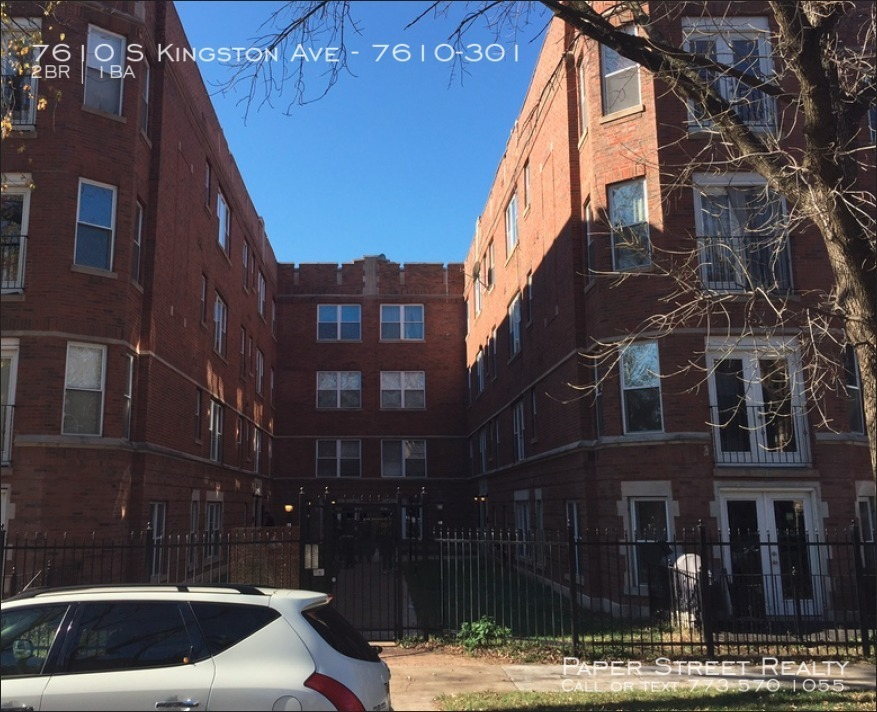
257 449
137 249
102 351
404 321
750 352
729 252
479 372
128 396
406 393
511 224
621 228
262 293
212 530
114 63
518 428
527 195
638 383
338 458
9 351
217 428
625 66
582 100
406 447
28 29
514 313
338 390
246 260
338 321
144 97
111 228
721 31
223 214
260 372
491 266
590 245
17 184
638 536
220 325
157 522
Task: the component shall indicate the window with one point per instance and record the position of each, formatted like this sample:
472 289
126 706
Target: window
629 225
212 529
239 440
144 98
757 409
243 364
479 372
84 389
476 287
8 378
648 520
220 325
491 267
128 396
137 248
338 458
338 322
403 322
207 176
94 227
529 301
518 430
511 225
257 450
272 387
274 318
260 372
527 195
339 389
199 409
246 261
742 244
590 246
581 104
515 326
853 382
157 515
403 389
224 215
523 524
534 402
262 290
492 347
14 218
216 430
104 69
36 627
867 520
203 299
482 449
620 79
20 86
403 458
227 624
641 388
743 44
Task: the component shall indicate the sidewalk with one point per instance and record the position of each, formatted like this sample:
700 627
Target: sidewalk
418 676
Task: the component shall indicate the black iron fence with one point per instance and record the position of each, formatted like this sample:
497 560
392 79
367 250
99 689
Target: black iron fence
268 556
791 593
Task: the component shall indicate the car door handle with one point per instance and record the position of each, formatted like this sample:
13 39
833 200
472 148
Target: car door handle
177 704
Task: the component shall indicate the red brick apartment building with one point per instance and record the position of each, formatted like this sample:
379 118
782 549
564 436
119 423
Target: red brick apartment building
600 142
158 365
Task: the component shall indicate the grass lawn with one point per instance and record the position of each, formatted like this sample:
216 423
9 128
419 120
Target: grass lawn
640 701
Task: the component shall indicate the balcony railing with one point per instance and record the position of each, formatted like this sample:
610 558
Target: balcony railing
6 413
770 434
12 253
744 263
19 98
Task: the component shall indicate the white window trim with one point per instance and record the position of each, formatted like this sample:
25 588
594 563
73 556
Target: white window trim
124 45
103 386
403 391
338 391
404 461
10 350
512 237
217 434
220 325
635 69
337 458
645 199
223 237
115 191
624 388
515 326
19 184
518 430
402 322
338 322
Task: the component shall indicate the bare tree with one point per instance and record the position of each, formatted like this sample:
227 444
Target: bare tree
820 82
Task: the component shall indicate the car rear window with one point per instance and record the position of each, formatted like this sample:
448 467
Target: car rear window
227 624
337 632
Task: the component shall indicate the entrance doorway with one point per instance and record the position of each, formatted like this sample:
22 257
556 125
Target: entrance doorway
772 558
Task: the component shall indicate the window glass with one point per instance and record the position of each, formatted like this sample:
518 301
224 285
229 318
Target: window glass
337 632
227 624
641 385
83 397
620 79
630 227
28 634
126 636
105 67
94 228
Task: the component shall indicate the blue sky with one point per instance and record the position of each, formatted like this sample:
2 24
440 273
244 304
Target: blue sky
397 159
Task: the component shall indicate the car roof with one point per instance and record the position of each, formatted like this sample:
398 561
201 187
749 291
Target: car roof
219 591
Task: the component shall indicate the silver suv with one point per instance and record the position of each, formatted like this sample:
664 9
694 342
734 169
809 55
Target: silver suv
185 647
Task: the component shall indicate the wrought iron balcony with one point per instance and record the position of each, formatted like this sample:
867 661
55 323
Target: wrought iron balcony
744 263
769 434
19 98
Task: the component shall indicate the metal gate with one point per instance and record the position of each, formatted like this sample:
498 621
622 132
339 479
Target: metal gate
365 551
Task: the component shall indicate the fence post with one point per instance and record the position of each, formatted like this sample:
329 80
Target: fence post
861 594
573 586
706 610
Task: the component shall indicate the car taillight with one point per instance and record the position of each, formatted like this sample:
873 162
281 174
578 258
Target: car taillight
341 697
